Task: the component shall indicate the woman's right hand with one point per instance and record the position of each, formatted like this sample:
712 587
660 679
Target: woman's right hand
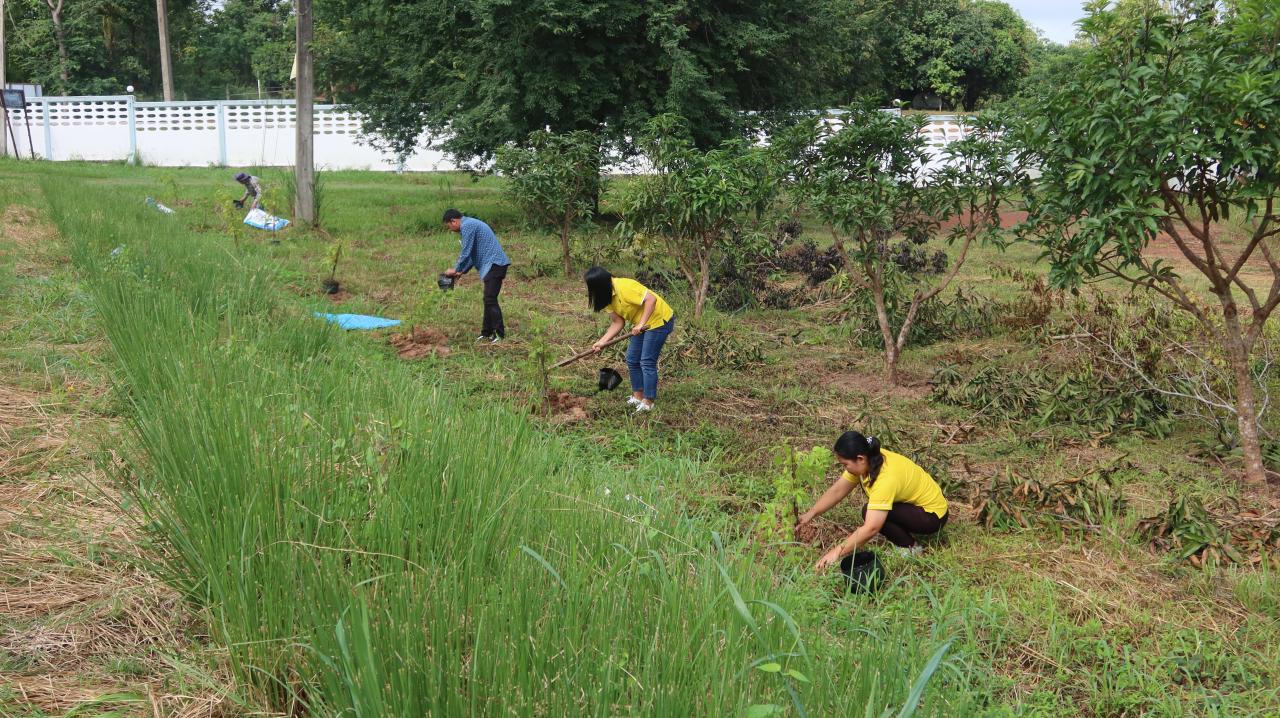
597 348
804 519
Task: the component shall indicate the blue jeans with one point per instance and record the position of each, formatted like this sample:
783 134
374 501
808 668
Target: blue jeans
642 358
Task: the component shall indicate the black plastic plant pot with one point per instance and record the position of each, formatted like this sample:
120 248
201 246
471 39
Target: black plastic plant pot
862 571
331 286
609 379
445 282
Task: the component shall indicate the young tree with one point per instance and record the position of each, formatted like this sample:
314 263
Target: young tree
884 193
701 205
556 179
1171 130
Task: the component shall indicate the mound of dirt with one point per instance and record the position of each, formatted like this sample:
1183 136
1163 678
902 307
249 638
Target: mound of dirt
339 296
420 343
566 408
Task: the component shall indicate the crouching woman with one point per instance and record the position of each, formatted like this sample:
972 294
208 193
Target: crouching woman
903 500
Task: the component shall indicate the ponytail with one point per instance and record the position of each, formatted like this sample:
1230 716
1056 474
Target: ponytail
852 444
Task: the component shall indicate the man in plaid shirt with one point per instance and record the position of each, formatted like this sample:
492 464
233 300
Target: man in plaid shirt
481 251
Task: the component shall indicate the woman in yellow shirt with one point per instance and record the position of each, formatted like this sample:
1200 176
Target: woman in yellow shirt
902 498
651 323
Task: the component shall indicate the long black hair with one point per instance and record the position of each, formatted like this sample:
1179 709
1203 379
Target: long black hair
852 444
599 288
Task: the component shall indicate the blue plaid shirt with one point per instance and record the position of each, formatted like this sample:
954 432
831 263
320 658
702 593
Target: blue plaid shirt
480 248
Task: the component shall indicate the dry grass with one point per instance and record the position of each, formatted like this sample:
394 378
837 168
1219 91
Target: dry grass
81 624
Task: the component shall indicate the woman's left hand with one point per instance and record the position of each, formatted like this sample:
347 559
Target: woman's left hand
828 560
637 330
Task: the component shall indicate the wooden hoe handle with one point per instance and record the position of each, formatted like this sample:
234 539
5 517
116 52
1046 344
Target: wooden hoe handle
587 353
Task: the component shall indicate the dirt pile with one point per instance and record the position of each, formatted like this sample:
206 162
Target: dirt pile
565 408
420 342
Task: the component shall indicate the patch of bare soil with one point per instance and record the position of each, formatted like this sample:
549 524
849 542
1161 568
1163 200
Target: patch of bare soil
875 385
1231 243
339 296
566 408
421 342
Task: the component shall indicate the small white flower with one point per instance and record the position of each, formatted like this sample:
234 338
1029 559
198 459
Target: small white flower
607 491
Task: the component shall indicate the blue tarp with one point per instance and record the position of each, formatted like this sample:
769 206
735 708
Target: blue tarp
358 321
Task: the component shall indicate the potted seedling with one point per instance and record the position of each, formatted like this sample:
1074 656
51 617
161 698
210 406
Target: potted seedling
331 285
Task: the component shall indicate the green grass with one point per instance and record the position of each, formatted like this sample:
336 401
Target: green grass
389 538
365 541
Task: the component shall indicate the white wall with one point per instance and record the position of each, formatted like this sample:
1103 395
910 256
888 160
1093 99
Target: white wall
235 133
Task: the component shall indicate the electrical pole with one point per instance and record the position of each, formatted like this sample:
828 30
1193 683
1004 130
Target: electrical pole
304 161
4 138
166 70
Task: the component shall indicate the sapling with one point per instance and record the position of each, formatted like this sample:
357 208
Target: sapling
539 357
795 471
332 257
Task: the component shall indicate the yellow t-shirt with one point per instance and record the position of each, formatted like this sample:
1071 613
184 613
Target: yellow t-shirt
628 303
901 481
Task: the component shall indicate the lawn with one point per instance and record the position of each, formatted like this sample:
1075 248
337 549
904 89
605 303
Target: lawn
352 531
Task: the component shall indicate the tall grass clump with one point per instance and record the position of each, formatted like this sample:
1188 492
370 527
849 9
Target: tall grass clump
366 544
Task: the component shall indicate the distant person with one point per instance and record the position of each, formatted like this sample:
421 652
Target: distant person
902 498
651 323
252 188
481 251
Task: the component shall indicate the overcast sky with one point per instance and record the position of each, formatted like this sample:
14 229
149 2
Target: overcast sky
1054 18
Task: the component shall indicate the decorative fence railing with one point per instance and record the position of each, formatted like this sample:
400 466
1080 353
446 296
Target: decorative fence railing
240 133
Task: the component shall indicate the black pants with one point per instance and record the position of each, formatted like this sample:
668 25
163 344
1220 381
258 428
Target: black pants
907 519
493 325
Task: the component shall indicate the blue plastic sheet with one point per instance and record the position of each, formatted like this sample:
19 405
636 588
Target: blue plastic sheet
358 321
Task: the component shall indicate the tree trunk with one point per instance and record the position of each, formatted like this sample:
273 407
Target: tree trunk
891 353
304 157
564 244
60 35
166 66
704 284
1246 407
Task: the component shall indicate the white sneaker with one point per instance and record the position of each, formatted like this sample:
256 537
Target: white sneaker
643 407
484 338
632 401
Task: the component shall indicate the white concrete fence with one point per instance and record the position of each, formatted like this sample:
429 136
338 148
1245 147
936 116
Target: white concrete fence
235 133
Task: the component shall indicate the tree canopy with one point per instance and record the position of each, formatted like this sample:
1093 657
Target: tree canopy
492 72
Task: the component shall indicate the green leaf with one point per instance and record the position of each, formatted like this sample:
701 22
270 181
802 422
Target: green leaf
797 675
765 710
917 689
770 667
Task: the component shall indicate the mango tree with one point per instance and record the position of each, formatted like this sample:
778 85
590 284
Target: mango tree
1170 131
556 180
702 206
885 193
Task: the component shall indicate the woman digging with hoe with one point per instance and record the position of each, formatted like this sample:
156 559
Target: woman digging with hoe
902 498
651 323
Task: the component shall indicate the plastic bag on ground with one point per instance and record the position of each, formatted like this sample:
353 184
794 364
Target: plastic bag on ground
151 202
260 219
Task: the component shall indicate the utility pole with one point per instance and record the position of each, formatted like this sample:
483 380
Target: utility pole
304 205
4 138
166 70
